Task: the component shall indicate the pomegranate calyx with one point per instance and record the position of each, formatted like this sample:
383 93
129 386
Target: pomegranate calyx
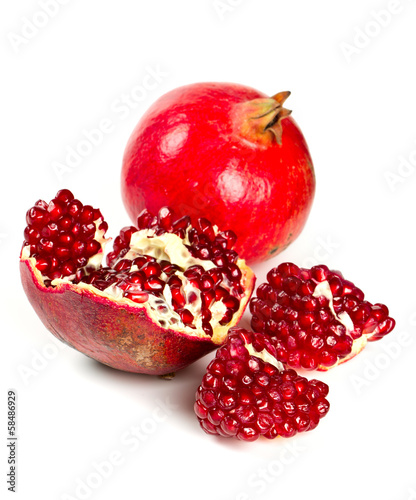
259 120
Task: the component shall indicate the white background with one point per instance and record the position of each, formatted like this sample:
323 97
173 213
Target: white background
351 69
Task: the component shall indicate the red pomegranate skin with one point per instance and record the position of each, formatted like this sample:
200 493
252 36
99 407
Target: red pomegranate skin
114 334
187 152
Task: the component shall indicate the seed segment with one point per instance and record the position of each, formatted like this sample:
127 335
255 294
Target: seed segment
314 316
246 393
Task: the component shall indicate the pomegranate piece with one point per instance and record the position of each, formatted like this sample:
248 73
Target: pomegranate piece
154 307
246 392
314 317
227 153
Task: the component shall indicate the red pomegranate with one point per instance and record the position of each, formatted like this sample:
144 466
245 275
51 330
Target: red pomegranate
168 295
226 152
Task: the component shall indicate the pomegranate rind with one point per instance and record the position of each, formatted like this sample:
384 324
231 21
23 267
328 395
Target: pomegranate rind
120 333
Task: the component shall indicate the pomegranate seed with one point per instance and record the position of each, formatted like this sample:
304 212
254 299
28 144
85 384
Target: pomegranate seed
154 284
78 248
41 204
56 209
42 264
31 235
207 298
182 223
74 208
64 195
234 273
86 215
144 219
126 232
92 247
186 316
178 300
123 265
208 329
139 297
68 268
63 253
174 281
221 293
37 217
205 227
165 218
45 246
151 269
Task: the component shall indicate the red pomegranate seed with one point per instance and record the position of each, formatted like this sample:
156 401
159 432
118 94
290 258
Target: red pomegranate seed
205 227
186 316
126 232
154 284
165 218
178 300
182 223
144 219
74 208
56 209
86 215
64 195
37 217
139 297
151 269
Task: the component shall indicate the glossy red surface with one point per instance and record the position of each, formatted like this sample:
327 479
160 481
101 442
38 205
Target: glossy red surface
186 152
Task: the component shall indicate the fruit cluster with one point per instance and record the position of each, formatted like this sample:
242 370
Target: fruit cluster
173 288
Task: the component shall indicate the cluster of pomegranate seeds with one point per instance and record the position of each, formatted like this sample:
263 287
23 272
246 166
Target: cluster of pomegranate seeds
247 393
61 234
313 316
141 275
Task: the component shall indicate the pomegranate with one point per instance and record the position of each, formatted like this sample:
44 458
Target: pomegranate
226 152
246 392
167 296
314 317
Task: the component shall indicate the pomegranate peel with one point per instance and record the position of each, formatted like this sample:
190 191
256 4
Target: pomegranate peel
247 393
141 313
315 318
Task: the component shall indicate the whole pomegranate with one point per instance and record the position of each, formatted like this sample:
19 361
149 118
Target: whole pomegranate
167 296
226 152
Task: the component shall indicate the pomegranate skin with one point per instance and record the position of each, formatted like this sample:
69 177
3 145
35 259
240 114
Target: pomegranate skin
116 334
188 152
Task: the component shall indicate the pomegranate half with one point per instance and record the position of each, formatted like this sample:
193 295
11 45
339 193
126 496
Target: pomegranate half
226 152
168 295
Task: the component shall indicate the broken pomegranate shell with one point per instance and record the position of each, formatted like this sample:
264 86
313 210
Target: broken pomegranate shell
167 296
247 393
316 318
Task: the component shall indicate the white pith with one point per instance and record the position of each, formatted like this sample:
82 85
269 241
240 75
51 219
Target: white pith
323 289
265 356
167 246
